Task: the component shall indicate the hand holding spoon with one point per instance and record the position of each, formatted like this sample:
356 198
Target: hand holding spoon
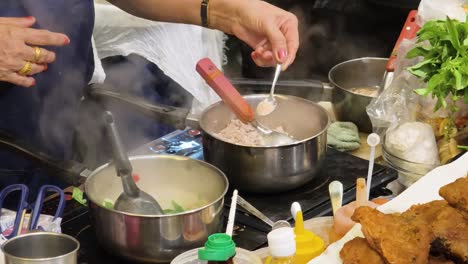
241 108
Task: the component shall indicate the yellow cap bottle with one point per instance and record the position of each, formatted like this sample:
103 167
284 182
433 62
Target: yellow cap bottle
308 245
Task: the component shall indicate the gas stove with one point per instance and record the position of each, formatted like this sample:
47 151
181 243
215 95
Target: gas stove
250 233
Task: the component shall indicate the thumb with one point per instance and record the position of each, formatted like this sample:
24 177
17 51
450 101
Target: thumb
18 21
278 42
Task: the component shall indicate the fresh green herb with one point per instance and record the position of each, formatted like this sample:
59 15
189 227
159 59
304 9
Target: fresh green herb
176 208
445 61
463 147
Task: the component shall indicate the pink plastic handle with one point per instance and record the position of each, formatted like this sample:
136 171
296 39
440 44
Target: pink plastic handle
223 87
409 30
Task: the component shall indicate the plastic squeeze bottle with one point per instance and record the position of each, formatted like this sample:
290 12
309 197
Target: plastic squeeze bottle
220 248
308 244
282 246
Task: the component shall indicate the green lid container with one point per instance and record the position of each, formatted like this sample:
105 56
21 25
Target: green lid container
219 247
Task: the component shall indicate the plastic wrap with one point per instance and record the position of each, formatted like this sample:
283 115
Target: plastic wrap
397 103
398 113
174 48
440 9
45 223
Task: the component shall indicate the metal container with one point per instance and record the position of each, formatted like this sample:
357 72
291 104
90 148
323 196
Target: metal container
41 248
356 73
269 169
191 183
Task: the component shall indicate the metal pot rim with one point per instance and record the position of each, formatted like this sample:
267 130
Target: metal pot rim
144 157
268 147
41 233
334 84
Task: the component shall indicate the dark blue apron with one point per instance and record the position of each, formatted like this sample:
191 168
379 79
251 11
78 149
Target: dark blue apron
44 116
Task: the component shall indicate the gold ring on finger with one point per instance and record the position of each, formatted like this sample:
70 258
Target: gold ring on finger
26 70
37 54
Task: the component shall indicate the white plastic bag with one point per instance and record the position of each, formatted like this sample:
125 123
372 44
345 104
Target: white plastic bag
440 9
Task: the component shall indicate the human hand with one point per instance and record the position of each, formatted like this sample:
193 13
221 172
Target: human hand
19 57
272 32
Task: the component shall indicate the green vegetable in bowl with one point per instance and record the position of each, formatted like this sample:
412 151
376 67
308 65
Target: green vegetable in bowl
445 61
108 203
176 208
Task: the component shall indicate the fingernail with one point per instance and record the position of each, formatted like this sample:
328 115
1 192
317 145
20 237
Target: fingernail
45 67
254 56
33 83
67 41
30 17
281 54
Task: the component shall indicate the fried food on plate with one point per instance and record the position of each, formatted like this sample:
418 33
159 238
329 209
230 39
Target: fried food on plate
426 212
450 229
399 240
357 251
456 194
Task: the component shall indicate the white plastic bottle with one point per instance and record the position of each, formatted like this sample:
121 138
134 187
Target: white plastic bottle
282 246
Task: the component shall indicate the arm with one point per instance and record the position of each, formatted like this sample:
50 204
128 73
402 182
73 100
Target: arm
270 31
176 11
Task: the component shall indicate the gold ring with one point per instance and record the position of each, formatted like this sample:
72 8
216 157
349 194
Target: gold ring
26 69
37 54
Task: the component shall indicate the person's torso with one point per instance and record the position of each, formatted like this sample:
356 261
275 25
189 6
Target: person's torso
44 115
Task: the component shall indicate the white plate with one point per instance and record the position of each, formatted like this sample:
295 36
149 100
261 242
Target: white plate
424 190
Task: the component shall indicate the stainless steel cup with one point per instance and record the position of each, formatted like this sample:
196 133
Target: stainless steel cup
41 248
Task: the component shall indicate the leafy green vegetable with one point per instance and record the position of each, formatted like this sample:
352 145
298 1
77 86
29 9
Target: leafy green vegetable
108 203
176 208
445 61
463 147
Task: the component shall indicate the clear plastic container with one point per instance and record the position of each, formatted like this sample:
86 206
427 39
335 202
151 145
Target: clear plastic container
242 257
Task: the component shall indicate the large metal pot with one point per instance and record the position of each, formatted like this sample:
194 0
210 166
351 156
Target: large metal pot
269 169
250 169
193 184
357 73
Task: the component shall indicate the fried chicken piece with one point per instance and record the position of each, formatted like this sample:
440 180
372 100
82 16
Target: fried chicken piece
399 240
357 251
439 260
426 212
456 194
450 228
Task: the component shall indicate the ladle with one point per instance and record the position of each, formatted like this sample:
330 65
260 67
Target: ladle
268 105
132 200
223 87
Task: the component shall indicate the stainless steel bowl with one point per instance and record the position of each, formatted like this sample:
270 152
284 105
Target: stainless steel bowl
194 184
362 72
269 169
41 248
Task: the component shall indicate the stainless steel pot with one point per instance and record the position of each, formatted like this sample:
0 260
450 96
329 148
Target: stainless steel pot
269 169
195 185
41 248
356 73
251 169
159 238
